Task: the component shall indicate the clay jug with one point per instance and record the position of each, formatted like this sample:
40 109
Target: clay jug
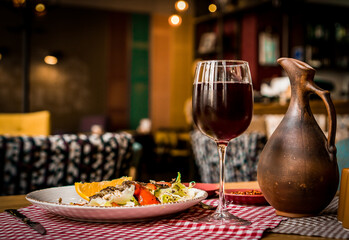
297 170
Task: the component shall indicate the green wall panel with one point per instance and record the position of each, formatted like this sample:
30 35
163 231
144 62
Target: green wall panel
139 95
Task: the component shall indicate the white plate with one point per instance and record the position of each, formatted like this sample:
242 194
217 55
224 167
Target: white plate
48 199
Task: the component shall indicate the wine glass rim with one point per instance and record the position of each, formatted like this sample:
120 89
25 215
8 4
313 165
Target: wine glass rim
233 62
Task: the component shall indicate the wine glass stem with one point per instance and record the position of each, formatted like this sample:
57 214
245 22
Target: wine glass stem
222 203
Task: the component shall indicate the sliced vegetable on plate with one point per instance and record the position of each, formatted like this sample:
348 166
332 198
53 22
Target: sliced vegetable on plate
86 190
124 192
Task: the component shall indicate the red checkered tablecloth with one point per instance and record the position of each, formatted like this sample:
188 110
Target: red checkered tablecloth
180 226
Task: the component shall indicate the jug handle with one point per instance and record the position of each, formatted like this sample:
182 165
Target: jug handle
331 111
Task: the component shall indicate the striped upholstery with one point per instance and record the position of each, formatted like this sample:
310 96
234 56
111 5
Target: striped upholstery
241 157
31 163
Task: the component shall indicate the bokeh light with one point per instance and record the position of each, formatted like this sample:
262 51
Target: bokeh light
181 5
40 7
175 20
51 60
212 8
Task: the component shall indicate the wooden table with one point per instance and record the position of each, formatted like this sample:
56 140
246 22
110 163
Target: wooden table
19 201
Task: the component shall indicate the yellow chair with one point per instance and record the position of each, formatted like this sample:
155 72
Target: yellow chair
30 124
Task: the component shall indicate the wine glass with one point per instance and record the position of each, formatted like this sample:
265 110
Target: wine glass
222 110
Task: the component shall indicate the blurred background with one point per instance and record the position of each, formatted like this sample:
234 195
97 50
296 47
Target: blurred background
127 66
123 60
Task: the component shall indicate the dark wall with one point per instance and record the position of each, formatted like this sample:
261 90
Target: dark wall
70 90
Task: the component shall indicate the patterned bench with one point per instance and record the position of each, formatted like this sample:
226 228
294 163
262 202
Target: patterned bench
31 163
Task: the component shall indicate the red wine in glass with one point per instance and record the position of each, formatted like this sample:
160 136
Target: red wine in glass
222 110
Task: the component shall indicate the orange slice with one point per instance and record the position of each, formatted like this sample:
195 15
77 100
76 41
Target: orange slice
86 190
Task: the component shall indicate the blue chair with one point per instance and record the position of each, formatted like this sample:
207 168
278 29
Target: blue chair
342 155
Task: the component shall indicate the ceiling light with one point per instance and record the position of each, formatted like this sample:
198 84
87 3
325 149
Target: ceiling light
53 57
175 20
212 8
40 7
181 5
18 3
51 60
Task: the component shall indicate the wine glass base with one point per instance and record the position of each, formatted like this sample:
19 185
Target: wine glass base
223 218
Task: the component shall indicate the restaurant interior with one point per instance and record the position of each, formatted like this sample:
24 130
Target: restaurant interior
85 69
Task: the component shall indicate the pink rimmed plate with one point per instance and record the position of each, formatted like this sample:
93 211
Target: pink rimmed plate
210 188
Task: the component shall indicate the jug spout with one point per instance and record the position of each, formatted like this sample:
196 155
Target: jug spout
297 69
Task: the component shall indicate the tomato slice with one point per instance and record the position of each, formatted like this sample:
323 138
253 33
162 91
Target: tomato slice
137 190
145 197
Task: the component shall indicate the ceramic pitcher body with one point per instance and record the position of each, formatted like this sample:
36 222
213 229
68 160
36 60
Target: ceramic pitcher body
297 169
